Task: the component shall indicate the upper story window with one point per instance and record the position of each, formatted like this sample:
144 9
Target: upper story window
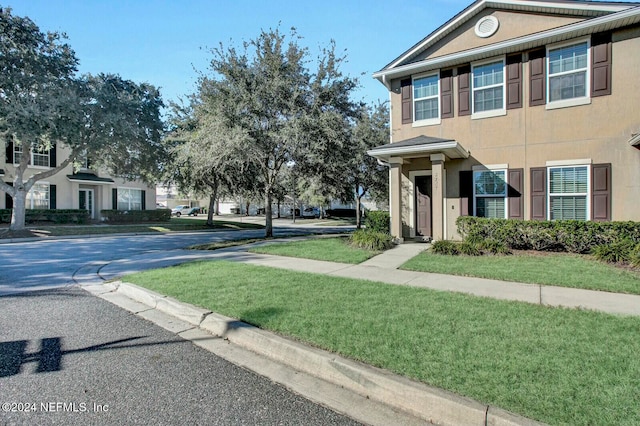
488 89
490 193
568 72
39 158
568 192
426 98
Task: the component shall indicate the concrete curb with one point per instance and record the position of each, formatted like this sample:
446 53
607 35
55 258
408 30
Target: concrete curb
425 402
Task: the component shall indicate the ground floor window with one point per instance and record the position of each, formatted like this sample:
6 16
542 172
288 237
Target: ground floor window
568 192
38 196
129 199
490 193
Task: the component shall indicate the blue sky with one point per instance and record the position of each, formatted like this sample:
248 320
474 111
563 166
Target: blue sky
161 41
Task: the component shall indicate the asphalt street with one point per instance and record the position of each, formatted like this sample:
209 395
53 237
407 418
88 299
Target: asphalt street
67 357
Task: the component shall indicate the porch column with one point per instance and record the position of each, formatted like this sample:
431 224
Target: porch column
395 194
437 195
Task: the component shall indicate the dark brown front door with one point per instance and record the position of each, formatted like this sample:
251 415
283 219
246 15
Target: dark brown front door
423 206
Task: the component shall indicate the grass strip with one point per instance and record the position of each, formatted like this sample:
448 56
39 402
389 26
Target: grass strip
554 365
557 269
328 249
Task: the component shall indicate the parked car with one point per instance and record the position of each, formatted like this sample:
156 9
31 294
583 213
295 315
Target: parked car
311 212
194 211
177 211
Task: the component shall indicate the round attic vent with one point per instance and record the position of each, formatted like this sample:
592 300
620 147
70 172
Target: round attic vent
487 26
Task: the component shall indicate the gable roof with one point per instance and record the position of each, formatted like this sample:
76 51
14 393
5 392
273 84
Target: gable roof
599 16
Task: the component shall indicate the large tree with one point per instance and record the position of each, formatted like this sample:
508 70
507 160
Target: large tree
266 92
43 103
365 175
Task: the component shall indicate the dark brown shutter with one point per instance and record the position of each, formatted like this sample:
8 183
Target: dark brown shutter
114 199
514 81
52 197
601 64
52 156
537 77
407 101
514 192
8 199
446 94
144 199
466 193
538 193
464 90
9 152
601 192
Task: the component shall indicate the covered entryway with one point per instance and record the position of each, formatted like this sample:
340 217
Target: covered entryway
424 222
417 184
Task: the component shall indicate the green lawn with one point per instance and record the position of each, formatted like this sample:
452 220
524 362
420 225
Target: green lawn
555 365
329 249
558 269
175 224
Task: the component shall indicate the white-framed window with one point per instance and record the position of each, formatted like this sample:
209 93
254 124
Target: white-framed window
129 199
568 192
38 196
426 99
39 158
568 74
490 193
488 89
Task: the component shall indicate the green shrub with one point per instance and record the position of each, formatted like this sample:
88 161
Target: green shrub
573 236
495 247
49 215
371 240
618 251
136 216
445 247
379 221
635 256
469 249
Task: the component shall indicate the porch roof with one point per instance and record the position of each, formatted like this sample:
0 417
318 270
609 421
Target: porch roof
89 178
421 146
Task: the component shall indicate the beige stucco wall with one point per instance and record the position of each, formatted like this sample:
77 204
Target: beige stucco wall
530 136
511 25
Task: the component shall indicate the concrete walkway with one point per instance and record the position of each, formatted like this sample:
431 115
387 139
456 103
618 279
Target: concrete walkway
383 268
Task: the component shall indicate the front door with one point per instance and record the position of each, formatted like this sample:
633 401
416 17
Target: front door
86 201
423 206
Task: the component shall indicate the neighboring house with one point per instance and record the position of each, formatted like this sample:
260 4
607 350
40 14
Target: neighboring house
516 109
87 189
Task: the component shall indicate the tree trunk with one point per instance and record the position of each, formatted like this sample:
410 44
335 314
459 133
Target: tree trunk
246 213
268 219
278 209
217 212
358 214
212 203
18 215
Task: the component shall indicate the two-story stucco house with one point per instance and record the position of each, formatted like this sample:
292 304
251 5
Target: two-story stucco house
87 189
523 109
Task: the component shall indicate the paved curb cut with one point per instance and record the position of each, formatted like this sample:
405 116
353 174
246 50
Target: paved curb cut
425 402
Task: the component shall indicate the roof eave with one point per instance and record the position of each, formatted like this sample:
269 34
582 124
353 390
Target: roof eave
607 22
451 149
586 8
635 140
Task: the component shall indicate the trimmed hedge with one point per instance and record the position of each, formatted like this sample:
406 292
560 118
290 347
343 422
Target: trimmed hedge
573 236
136 216
48 215
378 220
